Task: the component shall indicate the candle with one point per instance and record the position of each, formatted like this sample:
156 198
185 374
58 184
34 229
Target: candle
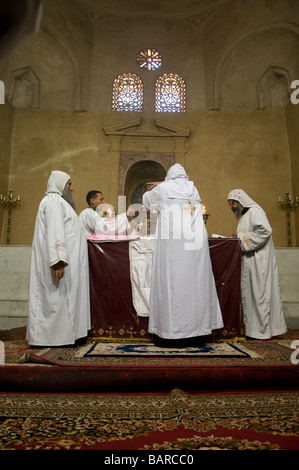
204 210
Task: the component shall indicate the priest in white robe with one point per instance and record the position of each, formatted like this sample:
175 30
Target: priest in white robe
59 306
183 296
89 216
262 305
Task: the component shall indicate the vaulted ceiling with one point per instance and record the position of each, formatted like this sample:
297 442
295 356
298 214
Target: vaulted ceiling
225 49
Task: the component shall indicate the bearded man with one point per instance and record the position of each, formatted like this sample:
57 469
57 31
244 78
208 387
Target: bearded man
59 305
262 305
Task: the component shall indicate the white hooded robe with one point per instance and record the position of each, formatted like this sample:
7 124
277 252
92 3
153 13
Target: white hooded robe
183 296
59 310
262 305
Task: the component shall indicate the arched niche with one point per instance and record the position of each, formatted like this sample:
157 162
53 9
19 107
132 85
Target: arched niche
137 169
274 88
138 174
241 81
152 145
25 88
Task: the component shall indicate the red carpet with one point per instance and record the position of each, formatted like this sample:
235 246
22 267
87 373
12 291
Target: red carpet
56 399
174 421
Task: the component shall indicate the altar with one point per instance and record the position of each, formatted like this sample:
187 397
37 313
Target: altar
113 314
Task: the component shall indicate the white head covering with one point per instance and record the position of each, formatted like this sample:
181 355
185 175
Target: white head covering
57 182
240 196
178 185
176 171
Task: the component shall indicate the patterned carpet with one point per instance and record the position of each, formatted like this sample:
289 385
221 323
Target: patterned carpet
177 418
275 352
265 366
176 421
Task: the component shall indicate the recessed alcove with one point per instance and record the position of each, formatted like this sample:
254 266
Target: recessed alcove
138 174
145 151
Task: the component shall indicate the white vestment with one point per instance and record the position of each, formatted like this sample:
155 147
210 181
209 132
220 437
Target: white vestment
89 218
262 305
183 297
59 310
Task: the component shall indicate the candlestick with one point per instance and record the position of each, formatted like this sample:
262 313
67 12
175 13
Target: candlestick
204 214
289 205
9 203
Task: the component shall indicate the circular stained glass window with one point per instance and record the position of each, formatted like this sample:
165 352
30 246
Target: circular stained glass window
149 59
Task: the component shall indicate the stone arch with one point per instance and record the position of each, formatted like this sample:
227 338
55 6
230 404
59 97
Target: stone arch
48 72
149 167
139 173
238 73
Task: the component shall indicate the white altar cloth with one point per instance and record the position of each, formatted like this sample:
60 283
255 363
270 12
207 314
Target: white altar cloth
141 254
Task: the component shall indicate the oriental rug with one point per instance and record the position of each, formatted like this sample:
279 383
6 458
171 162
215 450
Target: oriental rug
265 366
175 421
275 352
152 350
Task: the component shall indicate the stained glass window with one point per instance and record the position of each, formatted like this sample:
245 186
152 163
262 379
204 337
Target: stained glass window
149 59
170 94
127 93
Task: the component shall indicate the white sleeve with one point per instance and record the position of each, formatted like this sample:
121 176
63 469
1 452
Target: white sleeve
260 233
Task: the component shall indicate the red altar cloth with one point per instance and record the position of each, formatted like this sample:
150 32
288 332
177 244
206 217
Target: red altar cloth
113 316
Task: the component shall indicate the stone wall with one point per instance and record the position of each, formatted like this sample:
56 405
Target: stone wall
237 59
221 151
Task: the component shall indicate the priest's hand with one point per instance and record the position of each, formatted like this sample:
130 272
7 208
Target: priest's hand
58 270
151 185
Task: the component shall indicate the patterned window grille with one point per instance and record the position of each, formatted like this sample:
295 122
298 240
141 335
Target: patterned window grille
170 94
127 93
149 59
